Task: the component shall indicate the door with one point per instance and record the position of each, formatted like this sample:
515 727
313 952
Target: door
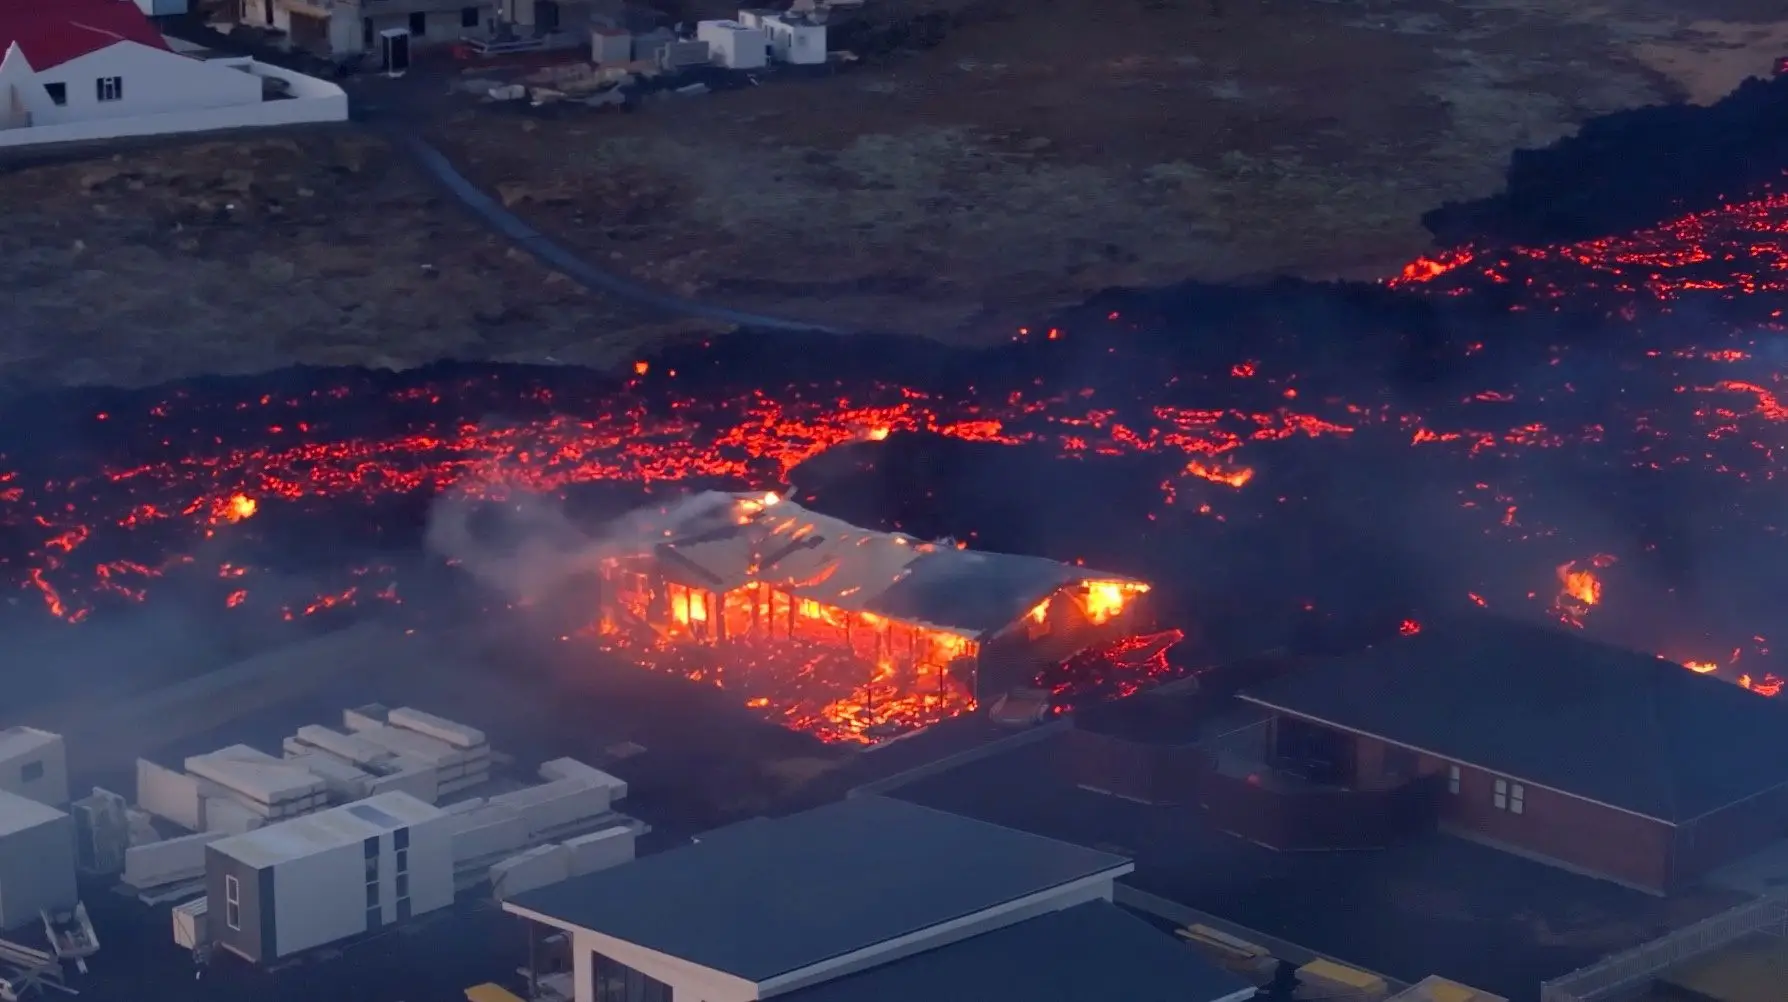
546 16
267 12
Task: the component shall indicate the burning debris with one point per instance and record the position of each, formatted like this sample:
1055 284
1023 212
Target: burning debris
845 633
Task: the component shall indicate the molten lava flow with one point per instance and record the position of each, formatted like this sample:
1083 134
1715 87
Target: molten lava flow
1110 671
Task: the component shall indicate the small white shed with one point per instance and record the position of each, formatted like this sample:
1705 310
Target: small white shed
37 870
733 45
34 764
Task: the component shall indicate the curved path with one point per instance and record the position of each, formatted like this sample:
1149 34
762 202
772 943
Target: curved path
538 244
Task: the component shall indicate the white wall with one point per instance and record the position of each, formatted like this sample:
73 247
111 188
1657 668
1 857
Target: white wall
430 864
317 899
154 82
686 980
49 754
313 100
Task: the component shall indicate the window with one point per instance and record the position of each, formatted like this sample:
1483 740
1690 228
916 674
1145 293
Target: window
616 982
418 24
58 92
403 885
233 903
366 32
31 772
1511 797
1453 780
109 88
468 17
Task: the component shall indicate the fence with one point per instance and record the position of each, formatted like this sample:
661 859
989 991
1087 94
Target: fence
1635 968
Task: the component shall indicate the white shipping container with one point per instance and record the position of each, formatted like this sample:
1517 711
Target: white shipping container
570 768
531 870
316 870
170 795
601 850
351 747
487 832
168 861
37 860
34 765
189 923
458 735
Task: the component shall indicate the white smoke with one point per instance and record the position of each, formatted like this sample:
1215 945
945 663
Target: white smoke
534 546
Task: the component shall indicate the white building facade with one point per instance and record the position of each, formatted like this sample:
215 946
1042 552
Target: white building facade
99 70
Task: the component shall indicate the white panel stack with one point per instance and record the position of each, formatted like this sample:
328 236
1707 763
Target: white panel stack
272 788
570 768
224 816
487 831
556 807
456 768
536 868
189 923
170 861
344 780
170 795
601 850
349 747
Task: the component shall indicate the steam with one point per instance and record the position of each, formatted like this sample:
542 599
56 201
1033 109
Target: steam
526 547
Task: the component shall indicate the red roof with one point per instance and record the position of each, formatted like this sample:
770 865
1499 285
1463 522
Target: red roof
52 32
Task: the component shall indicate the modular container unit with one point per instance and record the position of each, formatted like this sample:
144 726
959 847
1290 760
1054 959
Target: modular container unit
733 45
37 865
302 883
34 764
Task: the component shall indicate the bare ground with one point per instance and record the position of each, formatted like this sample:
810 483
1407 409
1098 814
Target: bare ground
1048 150
246 255
1044 150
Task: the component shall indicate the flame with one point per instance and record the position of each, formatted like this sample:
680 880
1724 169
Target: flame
1580 588
237 507
1039 613
1106 599
1702 667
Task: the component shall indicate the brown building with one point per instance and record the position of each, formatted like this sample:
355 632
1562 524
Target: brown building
1592 757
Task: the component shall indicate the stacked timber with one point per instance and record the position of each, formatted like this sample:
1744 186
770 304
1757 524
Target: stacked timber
167 862
390 771
1325 979
570 768
531 870
559 806
600 850
271 789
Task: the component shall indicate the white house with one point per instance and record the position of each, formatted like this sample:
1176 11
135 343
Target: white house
97 69
868 900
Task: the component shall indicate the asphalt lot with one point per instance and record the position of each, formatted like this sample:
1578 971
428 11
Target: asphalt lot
1439 905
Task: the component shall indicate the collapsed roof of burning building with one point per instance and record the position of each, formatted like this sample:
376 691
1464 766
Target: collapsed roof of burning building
724 541
1621 728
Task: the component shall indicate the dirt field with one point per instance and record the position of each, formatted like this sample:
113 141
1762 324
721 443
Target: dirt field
242 256
1046 150
1039 152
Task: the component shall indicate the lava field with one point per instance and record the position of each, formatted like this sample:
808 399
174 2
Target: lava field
1588 431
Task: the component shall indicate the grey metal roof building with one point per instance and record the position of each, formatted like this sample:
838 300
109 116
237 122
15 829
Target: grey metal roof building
1091 951
1614 726
864 899
771 897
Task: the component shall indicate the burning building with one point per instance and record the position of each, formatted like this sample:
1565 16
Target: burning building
845 632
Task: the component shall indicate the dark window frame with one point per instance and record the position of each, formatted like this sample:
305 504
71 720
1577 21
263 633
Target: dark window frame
470 17
102 92
58 92
419 24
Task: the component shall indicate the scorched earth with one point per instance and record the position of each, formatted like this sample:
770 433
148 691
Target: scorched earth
1587 432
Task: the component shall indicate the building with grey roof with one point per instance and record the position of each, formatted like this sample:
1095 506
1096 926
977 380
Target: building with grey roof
787 906
1610 761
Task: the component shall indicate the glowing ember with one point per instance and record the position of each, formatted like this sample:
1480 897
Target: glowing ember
1580 588
1409 628
1701 667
